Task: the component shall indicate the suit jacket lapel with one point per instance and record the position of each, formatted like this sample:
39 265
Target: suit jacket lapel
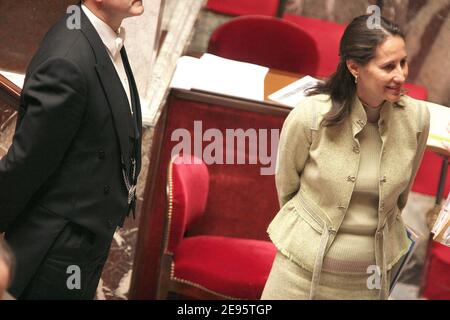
118 102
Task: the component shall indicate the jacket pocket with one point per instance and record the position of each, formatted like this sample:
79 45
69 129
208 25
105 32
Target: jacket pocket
296 234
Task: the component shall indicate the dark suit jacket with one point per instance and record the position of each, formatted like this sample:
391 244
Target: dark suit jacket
73 133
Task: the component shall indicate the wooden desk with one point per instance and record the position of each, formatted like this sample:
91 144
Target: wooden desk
9 102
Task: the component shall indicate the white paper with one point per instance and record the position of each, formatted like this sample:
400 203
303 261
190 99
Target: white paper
230 77
219 75
16 78
293 93
442 221
439 120
188 68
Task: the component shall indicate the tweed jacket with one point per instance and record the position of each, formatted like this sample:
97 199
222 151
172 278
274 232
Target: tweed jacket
316 172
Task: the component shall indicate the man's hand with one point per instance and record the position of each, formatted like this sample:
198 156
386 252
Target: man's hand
5 267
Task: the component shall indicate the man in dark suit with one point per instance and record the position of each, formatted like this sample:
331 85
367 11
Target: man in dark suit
69 177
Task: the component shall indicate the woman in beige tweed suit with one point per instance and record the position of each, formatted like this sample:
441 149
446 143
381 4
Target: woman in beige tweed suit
347 158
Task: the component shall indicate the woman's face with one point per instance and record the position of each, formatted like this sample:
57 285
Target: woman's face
383 76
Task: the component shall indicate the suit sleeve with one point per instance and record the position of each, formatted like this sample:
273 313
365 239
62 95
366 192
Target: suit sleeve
53 104
293 151
421 146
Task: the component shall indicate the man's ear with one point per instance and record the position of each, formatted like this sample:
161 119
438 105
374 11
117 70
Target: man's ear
353 67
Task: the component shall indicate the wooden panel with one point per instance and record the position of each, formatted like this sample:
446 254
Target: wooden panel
150 238
22 25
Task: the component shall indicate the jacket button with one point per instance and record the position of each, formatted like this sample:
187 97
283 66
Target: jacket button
107 189
101 154
355 149
383 179
351 178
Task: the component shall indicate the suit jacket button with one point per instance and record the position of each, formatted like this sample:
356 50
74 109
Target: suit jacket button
107 189
101 154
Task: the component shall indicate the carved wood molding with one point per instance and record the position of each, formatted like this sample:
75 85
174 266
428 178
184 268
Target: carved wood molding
9 93
9 102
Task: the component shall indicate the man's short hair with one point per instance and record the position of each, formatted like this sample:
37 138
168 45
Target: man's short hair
7 256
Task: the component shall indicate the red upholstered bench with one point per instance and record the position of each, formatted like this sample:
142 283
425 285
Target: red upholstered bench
437 282
206 266
266 41
222 250
327 36
230 267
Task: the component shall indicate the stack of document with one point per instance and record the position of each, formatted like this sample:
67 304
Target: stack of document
219 75
441 228
439 120
292 94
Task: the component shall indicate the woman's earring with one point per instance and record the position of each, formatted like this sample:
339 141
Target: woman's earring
356 79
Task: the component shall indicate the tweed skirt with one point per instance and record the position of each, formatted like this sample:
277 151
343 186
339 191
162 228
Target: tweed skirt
289 281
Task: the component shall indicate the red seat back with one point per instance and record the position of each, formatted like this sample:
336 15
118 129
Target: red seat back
266 41
188 184
327 36
244 7
415 91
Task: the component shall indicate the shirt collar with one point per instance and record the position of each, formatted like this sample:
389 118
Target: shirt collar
111 39
358 115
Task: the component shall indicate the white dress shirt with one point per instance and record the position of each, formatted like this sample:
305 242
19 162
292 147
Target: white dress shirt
113 42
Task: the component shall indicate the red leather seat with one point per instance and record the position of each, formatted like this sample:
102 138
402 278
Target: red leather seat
415 91
326 36
437 281
206 266
265 41
244 7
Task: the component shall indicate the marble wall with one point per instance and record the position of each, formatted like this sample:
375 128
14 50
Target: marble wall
23 23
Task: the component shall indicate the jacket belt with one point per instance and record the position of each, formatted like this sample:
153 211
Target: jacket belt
327 230
380 258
